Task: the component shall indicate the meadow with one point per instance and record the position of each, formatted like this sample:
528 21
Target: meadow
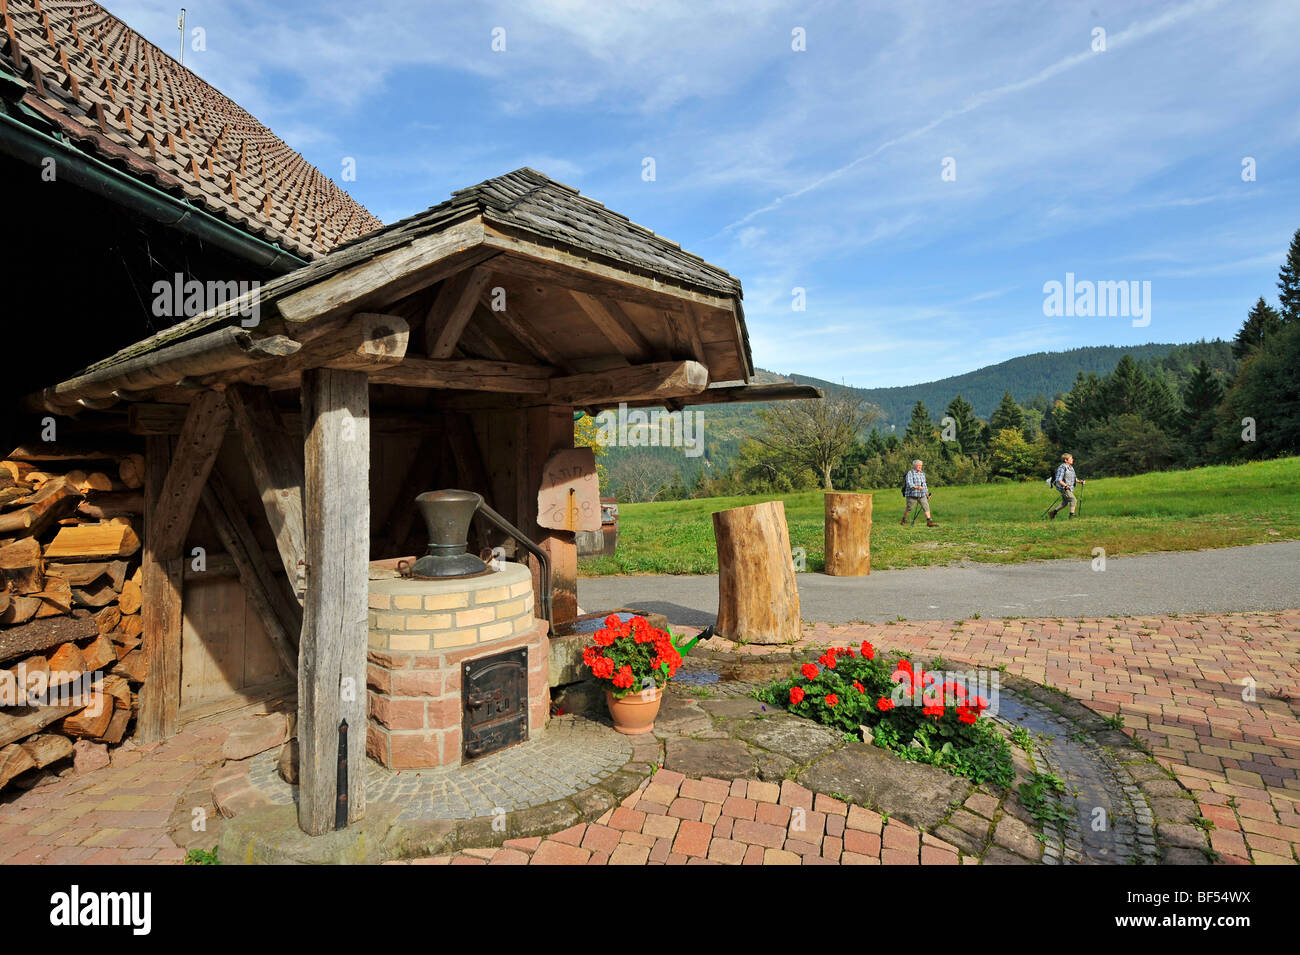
994 523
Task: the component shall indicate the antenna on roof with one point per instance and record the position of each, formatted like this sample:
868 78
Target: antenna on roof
180 25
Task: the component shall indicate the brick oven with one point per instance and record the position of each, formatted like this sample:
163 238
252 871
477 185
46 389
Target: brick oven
457 667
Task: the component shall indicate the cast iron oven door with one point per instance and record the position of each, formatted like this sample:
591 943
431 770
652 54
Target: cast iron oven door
495 693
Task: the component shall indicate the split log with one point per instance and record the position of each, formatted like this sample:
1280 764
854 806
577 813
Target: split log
132 666
23 566
32 675
57 498
82 575
131 598
14 760
99 654
22 721
131 470
124 643
108 619
98 594
848 534
17 492
117 724
95 481
47 748
66 664
133 625
93 542
91 721
43 634
758 601
102 507
20 610
117 687
64 451
18 470
56 598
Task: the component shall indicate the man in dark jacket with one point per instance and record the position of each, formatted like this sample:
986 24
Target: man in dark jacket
915 492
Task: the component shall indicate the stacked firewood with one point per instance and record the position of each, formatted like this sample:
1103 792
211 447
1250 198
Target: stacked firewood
70 626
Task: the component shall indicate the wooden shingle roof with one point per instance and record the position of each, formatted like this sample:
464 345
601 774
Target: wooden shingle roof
118 96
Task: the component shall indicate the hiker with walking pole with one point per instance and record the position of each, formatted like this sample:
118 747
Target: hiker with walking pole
1064 481
915 492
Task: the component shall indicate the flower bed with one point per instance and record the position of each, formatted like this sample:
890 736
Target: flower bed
907 710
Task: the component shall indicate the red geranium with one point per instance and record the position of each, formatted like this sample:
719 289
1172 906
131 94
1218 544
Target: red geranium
796 696
604 637
868 651
602 668
884 704
809 671
932 710
966 715
623 678
831 699
827 660
859 687
905 666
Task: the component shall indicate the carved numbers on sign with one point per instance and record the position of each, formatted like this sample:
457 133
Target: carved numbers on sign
569 499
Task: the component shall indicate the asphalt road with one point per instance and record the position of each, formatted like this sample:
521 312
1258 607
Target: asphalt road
1259 577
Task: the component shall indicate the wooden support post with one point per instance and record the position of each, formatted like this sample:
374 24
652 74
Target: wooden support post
550 429
332 651
160 614
758 601
275 459
848 534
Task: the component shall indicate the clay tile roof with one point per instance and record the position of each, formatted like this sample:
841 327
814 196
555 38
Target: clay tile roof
117 95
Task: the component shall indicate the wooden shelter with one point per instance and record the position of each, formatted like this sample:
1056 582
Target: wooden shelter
449 349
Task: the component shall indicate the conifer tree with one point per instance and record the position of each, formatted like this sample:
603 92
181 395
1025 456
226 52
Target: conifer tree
1006 415
1262 321
1288 283
1201 401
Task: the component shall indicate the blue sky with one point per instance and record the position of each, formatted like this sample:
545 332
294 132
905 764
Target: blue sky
822 168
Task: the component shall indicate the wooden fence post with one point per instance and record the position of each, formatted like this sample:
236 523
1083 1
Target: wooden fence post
758 601
332 649
848 534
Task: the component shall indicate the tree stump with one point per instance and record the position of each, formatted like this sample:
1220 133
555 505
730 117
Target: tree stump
848 535
758 601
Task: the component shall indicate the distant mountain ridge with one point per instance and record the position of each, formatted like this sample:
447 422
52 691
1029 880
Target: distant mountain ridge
1045 373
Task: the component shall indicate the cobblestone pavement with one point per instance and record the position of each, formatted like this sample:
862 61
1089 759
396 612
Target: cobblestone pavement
1213 696
675 820
567 758
111 816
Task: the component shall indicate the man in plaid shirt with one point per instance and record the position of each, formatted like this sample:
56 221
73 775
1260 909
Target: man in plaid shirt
1064 482
917 493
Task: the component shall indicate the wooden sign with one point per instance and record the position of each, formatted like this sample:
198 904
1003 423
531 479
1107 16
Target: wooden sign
569 499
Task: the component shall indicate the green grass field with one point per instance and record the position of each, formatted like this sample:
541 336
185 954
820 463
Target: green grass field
994 523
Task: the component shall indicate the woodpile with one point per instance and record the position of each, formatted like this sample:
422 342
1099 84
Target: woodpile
70 626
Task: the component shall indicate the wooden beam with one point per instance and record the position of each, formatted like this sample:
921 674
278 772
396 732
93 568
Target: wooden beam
659 380
726 394
550 429
332 671
196 451
524 334
219 351
275 458
227 519
684 332
469 374
160 614
361 342
451 311
389 276
614 324
562 268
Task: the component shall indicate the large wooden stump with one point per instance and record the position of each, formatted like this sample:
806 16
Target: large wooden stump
848 534
758 601
332 649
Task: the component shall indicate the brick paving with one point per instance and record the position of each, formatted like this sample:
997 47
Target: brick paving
1176 680
1213 696
676 820
113 816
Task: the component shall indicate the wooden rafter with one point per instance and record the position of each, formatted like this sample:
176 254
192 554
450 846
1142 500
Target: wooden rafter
451 311
608 316
658 380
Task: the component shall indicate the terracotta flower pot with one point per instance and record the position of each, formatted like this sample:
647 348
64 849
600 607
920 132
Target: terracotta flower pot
634 714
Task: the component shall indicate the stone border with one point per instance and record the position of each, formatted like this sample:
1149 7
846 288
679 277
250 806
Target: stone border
257 832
